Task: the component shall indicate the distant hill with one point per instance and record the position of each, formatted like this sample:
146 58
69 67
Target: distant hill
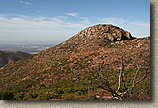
73 69
8 57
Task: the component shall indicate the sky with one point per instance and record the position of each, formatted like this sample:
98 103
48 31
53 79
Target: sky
58 20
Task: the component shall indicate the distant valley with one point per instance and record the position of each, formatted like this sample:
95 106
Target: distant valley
31 49
12 52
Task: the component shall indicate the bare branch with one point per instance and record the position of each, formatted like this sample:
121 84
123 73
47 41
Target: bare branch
121 76
146 73
136 82
135 75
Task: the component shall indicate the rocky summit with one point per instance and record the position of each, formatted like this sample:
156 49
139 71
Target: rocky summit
72 69
109 32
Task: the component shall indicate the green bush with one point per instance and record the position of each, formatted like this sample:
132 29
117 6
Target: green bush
19 96
6 95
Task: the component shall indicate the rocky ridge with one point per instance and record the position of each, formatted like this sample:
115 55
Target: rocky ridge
110 32
106 32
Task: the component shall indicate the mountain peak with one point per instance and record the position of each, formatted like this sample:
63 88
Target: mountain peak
98 35
110 32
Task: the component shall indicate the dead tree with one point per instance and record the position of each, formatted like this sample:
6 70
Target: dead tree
127 92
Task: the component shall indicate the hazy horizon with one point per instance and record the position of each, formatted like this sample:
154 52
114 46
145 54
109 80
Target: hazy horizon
29 42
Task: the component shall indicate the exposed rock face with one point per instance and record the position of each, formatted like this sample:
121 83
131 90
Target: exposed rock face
110 32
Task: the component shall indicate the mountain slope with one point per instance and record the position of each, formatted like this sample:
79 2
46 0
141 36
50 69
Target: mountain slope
75 62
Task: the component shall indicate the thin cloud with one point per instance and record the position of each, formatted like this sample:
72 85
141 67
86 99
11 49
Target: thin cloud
85 20
60 21
114 21
137 28
26 3
121 22
71 14
139 23
60 27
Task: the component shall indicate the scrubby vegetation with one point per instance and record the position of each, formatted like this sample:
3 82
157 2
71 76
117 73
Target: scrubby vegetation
85 90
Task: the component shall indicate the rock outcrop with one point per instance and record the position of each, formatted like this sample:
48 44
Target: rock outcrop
110 32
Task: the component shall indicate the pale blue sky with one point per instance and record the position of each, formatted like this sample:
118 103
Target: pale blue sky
58 20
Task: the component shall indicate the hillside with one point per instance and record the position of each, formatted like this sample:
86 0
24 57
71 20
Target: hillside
8 57
71 68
